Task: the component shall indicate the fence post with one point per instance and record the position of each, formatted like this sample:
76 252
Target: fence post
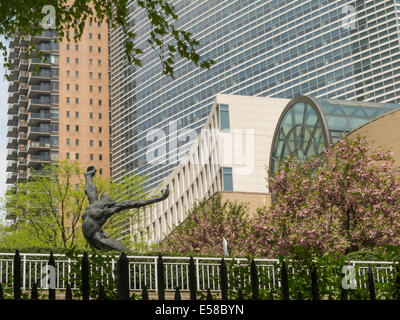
123 277
397 284
177 294
1 291
197 274
34 292
17 276
314 283
240 294
24 272
254 280
156 274
209 295
160 278
52 291
102 294
145 293
285 282
224 280
371 284
85 277
68 292
192 279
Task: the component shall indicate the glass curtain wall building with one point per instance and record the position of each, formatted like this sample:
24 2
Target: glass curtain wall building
335 49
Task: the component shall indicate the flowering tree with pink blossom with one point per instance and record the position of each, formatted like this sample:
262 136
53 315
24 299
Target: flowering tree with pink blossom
346 200
207 224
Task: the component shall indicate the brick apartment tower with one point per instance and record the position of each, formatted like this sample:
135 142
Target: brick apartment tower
63 111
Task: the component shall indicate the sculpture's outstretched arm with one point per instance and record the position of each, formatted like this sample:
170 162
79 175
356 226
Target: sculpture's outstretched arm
128 204
90 188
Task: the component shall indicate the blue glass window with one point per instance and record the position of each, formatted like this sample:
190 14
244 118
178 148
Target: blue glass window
227 179
224 117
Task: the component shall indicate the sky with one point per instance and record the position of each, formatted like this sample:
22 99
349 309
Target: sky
3 127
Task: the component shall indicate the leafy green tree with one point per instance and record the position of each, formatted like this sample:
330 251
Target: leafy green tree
51 204
29 16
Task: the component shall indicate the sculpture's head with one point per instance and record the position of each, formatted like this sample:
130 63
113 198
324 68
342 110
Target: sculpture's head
107 199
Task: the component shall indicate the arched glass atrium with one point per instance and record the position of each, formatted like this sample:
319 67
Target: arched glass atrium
308 125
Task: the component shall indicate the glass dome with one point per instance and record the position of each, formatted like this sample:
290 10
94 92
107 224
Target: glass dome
308 125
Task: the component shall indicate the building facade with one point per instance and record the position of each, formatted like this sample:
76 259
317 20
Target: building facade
322 48
230 155
59 108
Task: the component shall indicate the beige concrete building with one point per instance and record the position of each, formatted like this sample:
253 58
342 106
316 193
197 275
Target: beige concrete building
230 156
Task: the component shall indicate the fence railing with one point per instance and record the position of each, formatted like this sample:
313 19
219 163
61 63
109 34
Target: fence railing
143 271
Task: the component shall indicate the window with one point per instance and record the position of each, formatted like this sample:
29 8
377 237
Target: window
100 115
67 59
67 141
67 127
91 129
76 114
100 157
224 117
98 36
90 35
90 21
68 73
77 142
91 75
91 156
227 182
91 88
77 87
99 63
76 47
90 48
76 156
76 74
99 88
76 60
76 128
67 155
100 129
77 100
67 114
67 46
91 115
100 143
91 143
99 49
99 75
90 62
67 99
91 101
67 86
99 102
101 171
98 23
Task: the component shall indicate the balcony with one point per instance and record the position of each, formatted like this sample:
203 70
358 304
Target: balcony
44 61
22 88
22 149
12 132
23 76
11 154
32 173
23 64
22 100
11 97
12 120
22 175
22 112
38 145
38 103
34 159
37 89
11 166
44 74
41 116
11 178
21 138
38 131
22 124
22 162
12 109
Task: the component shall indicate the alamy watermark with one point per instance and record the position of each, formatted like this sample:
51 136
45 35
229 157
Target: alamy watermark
49 20
48 277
